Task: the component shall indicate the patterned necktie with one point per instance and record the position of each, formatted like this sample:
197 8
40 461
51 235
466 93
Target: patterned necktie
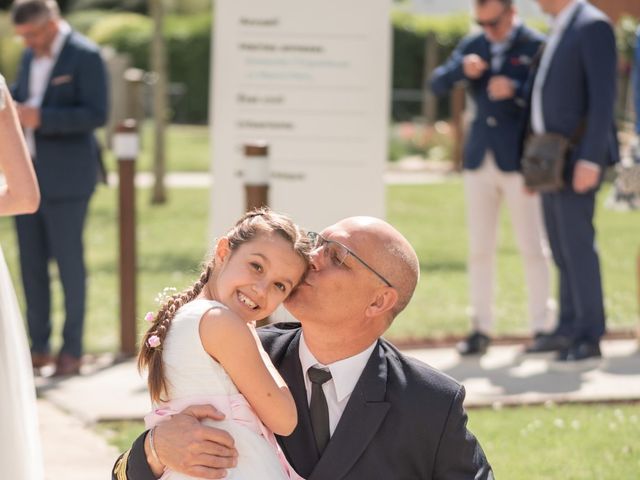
318 407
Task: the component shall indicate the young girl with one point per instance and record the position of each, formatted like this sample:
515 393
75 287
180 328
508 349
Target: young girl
202 346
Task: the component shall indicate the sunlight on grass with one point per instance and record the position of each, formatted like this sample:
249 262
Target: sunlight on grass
172 241
568 442
432 218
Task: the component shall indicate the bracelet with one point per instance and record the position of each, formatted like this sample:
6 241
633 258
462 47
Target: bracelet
153 447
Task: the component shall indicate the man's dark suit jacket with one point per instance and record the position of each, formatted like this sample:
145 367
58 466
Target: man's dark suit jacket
73 106
581 86
404 421
498 126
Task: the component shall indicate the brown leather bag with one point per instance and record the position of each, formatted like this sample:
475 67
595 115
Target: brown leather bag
543 161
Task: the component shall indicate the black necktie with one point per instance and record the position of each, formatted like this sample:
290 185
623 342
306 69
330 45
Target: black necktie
318 407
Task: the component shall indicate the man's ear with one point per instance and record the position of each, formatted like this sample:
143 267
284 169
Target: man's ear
222 250
384 300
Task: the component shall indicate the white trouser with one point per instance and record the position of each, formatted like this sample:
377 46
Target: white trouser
485 188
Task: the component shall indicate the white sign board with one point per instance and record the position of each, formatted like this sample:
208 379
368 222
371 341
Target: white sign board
312 80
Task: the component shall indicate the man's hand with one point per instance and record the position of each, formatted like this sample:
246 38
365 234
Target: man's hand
501 88
585 177
185 445
29 116
473 66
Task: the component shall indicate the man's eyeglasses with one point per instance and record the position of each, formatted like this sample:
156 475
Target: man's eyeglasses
339 253
491 23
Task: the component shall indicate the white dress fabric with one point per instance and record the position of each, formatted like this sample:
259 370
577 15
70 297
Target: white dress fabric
20 450
194 378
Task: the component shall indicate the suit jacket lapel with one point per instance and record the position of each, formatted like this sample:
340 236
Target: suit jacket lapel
485 50
360 421
22 85
300 446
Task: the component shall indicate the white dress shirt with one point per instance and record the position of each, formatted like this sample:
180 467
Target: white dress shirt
559 24
39 77
344 376
498 49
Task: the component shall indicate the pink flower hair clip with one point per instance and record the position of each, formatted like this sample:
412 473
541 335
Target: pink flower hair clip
154 341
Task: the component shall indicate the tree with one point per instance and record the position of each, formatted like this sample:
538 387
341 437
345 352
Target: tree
159 67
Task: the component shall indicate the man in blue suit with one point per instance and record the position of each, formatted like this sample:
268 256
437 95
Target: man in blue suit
387 416
574 93
494 65
636 93
62 94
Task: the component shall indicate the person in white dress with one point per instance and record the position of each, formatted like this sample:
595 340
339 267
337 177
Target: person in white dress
202 347
20 450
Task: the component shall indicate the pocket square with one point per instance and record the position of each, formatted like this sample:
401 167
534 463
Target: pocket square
59 80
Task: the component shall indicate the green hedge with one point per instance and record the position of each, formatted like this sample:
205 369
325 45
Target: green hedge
189 40
188 50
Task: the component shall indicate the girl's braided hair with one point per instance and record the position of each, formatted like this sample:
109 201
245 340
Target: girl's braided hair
252 224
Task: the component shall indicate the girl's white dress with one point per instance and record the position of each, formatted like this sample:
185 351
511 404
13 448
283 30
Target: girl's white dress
194 378
20 450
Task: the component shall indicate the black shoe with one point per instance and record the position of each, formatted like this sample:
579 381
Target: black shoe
476 344
580 351
548 342
579 356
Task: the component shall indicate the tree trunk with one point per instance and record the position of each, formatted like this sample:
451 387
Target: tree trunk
159 67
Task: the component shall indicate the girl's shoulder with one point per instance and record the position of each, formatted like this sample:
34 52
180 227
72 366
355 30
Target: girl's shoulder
197 308
189 316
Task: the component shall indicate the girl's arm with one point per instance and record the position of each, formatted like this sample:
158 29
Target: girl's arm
21 193
234 344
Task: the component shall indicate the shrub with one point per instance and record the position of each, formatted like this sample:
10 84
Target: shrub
83 20
127 33
188 46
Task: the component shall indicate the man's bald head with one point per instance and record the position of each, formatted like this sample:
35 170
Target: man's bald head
388 252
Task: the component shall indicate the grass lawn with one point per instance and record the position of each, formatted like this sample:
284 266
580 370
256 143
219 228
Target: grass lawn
187 149
172 241
569 442
432 218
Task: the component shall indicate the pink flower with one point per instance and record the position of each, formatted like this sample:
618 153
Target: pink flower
153 341
149 317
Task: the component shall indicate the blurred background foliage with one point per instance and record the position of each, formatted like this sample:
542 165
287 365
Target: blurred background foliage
124 25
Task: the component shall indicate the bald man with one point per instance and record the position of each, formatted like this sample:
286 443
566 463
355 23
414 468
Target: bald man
389 416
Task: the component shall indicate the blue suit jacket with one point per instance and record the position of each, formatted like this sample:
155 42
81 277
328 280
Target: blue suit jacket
581 84
636 80
404 420
497 125
74 104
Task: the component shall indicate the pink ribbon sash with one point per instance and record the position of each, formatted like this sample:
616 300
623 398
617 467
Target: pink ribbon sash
236 408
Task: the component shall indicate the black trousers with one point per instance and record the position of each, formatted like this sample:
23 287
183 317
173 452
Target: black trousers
54 232
572 237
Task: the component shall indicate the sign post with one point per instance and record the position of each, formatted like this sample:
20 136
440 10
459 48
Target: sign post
126 149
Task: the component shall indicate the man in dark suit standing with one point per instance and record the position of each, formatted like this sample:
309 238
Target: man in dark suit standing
574 95
62 95
494 66
386 416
